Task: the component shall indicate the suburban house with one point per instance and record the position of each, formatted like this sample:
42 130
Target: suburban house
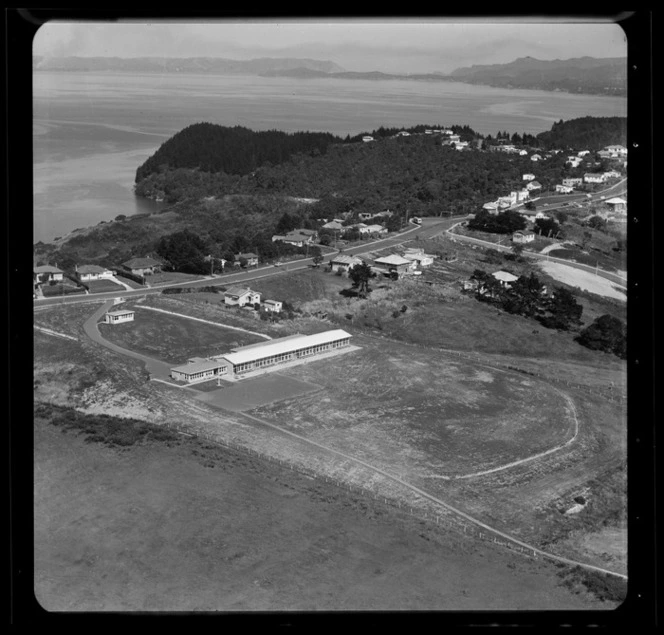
522 194
528 177
273 306
612 174
523 153
118 317
143 266
564 189
575 162
341 262
616 151
505 201
617 204
46 273
605 154
593 177
334 226
251 258
395 263
492 208
402 133
241 296
454 138
572 182
419 257
365 215
461 145
361 227
525 236
298 237
534 185
93 272
374 229
505 278
367 138
582 153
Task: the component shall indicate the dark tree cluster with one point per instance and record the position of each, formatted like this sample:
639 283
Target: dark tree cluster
238 150
525 296
607 333
585 133
503 223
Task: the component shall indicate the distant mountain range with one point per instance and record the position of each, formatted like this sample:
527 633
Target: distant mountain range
606 76
216 65
582 74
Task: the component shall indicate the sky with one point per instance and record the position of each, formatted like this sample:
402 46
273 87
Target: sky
396 46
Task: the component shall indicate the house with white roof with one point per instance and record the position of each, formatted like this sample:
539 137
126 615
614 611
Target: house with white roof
616 150
582 153
492 208
534 185
395 263
593 177
241 296
564 189
536 157
612 174
118 317
367 138
575 162
528 177
273 306
505 278
342 262
297 237
617 204
572 182
374 230
419 257
523 236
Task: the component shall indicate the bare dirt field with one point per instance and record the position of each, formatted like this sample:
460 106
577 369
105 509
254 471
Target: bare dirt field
187 526
442 417
582 279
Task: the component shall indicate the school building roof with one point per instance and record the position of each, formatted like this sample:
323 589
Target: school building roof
284 345
199 367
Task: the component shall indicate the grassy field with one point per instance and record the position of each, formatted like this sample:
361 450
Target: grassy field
58 289
165 277
104 286
182 525
174 339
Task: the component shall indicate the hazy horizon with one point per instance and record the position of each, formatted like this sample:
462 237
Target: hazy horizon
390 46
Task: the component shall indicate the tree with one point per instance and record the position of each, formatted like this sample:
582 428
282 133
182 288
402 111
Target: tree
517 250
318 259
547 226
243 262
360 275
529 205
596 222
607 333
561 216
120 217
562 311
184 251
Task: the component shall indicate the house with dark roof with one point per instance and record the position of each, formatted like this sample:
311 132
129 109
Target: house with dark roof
46 273
250 257
143 266
93 272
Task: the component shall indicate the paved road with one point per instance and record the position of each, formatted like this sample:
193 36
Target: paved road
156 368
429 227
619 280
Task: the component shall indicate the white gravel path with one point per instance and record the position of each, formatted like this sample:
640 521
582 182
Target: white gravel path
582 279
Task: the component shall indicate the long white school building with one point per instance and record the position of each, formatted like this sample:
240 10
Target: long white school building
258 356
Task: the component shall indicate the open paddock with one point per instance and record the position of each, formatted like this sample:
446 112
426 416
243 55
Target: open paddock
424 413
174 339
104 286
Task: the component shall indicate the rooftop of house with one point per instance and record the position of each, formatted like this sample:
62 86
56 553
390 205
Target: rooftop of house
504 276
344 260
47 269
137 263
248 255
239 291
616 201
91 269
392 259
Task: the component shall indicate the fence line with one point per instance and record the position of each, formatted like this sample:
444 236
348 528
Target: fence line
444 522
